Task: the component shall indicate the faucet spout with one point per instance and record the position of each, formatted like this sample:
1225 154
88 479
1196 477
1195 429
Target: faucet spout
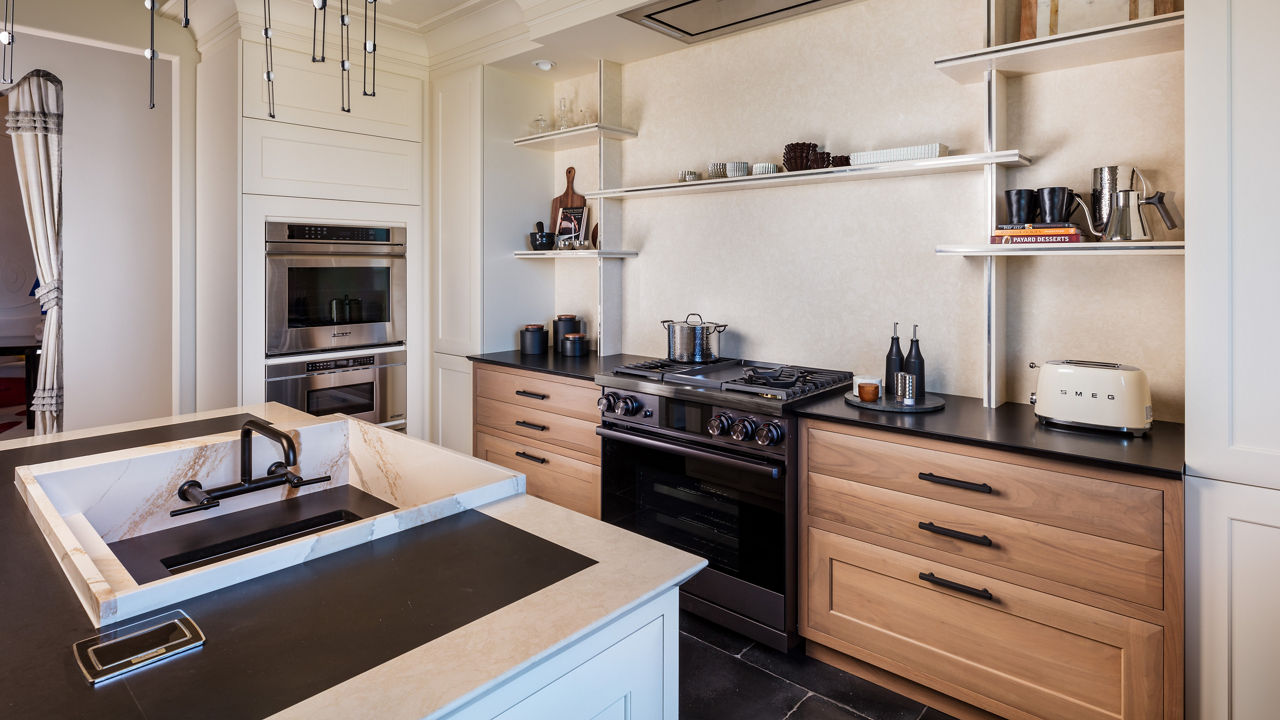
246 446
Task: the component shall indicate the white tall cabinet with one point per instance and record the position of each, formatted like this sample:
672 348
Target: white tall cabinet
1233 342
483 206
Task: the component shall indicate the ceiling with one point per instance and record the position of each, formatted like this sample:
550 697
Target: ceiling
425 14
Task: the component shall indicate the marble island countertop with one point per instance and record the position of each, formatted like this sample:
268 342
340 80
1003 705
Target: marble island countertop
416 624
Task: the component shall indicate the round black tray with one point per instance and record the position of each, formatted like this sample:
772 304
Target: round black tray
929 404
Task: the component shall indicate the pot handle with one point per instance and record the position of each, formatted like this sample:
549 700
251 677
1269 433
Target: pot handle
666 324
719 328
700 320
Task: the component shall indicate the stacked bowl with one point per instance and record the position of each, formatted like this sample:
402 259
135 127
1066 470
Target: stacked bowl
795 156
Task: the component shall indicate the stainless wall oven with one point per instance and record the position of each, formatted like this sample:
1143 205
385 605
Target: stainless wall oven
334 286
366 386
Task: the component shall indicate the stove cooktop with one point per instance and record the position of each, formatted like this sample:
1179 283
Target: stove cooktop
759 380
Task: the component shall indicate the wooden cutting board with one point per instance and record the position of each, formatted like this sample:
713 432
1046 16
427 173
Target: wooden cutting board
566 200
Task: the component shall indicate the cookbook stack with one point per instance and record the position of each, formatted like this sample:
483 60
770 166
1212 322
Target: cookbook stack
1039 234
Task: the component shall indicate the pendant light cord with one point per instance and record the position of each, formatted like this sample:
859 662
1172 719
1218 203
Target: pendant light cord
319 20
270 74
186 13
151 56
6 42
370 74
344 76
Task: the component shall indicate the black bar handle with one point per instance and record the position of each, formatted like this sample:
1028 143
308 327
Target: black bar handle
527 456
984 593
963 485
535 396
939 530
531 426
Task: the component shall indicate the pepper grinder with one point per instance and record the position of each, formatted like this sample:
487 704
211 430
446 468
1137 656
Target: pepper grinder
893 361
914 364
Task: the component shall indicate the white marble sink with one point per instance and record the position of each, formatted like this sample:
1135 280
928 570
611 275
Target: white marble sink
82 505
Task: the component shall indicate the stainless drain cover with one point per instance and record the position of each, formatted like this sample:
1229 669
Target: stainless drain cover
136 645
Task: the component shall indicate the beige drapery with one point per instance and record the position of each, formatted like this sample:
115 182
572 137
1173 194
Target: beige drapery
35 124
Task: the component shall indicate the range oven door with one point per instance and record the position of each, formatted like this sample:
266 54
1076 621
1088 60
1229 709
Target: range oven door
729 508
326 302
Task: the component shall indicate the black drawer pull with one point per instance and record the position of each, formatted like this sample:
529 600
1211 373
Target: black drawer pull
527 456
976 487
939 530
535 396
531 426
984 593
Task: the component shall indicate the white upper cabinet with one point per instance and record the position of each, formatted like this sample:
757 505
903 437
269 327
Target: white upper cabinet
309 93
1233 256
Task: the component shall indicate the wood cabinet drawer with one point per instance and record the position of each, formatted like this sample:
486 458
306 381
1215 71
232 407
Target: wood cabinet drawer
1019 653
541 392
1121 570
1128 513
555 478
542 425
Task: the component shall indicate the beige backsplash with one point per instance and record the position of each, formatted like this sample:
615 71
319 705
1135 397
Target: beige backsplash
817 274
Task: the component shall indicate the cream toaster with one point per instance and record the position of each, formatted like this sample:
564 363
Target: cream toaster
1102 395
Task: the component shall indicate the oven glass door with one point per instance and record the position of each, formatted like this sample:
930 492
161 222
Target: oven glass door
730 510
322 302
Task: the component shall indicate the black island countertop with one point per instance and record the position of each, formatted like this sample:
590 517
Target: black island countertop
585 367
1013 427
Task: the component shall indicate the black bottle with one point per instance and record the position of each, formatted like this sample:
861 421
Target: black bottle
892 362
914 364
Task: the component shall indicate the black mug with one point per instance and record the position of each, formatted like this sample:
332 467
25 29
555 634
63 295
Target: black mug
1057 204
1024 206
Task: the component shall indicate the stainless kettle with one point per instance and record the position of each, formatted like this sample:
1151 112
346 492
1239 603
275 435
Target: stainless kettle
1117 206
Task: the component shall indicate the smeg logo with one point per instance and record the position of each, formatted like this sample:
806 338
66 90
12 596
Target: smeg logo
342 334
1080 394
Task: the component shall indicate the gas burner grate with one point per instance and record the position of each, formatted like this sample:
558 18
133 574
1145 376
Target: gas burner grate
787 382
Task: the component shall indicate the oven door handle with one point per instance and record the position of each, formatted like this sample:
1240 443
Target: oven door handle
751 465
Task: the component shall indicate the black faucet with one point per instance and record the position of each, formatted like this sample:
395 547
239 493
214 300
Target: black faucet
278 473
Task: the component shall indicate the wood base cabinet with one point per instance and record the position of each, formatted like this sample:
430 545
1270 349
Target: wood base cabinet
541 425
1021 587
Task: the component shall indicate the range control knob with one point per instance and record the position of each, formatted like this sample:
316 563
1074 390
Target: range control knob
742 429
627 406
719 425
606 401
770 433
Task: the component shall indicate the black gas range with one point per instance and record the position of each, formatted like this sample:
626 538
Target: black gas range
703 457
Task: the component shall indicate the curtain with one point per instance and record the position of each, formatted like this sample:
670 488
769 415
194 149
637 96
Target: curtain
35 124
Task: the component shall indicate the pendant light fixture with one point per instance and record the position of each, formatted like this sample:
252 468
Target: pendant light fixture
150 53
6 42
319 21
270 74
370 74
344 42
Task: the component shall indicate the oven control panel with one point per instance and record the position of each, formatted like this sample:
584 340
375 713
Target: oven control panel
727 427
340 364
631 407
748 429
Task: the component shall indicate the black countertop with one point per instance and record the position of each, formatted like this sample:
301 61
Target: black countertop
1013 427
272 641
582 368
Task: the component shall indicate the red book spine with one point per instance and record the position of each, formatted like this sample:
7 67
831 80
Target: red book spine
1036 239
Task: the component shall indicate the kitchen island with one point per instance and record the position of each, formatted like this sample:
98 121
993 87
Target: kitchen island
516 606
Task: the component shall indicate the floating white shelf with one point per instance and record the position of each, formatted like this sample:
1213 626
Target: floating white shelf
1136 38
555 254
581 136
932 166
1081 249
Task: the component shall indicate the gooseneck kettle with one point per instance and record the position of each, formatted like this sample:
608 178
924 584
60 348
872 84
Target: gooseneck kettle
1117 210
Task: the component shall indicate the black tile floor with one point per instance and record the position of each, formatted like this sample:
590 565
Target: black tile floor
725 676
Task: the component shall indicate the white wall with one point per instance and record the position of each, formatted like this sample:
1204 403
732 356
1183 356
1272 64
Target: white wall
19 312
817 274
117 234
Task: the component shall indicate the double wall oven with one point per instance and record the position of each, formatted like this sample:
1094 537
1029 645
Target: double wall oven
336 319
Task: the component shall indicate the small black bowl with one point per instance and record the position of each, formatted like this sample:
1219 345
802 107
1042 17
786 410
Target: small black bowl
542 241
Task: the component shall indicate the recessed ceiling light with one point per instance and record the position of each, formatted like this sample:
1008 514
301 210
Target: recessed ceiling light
544 65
